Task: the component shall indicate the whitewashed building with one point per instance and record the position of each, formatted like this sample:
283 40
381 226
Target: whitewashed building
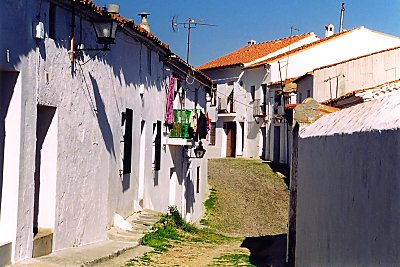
238 103
82 132
277 72
356 74
347 191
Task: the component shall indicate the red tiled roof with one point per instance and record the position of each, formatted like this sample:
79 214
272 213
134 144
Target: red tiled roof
250 53
301 48
125 23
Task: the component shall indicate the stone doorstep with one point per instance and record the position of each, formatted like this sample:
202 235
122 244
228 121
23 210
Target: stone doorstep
5 253
42 243
86 255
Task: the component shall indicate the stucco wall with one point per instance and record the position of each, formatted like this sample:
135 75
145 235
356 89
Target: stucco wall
348 198
362 73
89 97
362 40
348 187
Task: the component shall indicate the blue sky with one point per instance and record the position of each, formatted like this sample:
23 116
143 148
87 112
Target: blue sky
261 20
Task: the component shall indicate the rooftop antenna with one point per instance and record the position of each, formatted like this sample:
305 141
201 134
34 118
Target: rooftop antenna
189 23
292 28
341 18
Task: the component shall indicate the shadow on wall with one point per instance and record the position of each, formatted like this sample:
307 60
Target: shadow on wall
267 250
189 192
8 80
102 119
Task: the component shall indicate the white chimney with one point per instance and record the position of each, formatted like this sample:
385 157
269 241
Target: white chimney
251 42
144 24
328 30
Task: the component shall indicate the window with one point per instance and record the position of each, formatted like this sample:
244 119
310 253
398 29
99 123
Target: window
52 21
149 60
198 180
157 145
308 93
264 99
127 119
212 133
277 101
253 93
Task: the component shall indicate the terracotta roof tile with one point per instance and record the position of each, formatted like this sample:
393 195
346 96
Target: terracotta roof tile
250 53
301 48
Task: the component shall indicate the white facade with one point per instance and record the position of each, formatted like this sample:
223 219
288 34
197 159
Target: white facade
347 192
249 132
346 45
62 136
359 73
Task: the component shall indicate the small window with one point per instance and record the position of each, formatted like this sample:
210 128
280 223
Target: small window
157 146
149 60
253 92
52 21
308 93
300 98
198 180
212 133
127 118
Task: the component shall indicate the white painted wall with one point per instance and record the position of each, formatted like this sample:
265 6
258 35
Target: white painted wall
11 169
360 41
90 99
362 73
348 193
48 177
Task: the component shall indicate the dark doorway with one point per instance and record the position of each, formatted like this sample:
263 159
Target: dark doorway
45 117
264 142
8 81
230 139
277 143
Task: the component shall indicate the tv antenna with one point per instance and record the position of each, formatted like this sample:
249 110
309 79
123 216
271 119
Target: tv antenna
189 23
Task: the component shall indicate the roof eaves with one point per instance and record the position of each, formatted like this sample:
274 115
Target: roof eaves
355 58
301 48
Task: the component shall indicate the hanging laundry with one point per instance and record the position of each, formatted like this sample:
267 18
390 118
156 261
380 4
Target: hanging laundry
202 126
169 114
193 120
208 122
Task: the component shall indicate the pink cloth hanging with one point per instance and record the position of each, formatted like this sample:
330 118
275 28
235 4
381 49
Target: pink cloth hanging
169 115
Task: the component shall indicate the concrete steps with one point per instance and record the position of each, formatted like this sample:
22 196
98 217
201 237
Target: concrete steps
5 253
116 251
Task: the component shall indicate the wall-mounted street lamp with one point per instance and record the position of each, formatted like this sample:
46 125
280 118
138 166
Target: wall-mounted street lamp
105 29
199 151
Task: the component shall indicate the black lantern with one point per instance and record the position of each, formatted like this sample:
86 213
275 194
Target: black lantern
199 151
105 31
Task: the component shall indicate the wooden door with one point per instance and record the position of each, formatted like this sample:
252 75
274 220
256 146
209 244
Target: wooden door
231 139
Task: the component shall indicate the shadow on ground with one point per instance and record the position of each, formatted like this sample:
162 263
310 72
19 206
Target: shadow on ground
282 168
267 250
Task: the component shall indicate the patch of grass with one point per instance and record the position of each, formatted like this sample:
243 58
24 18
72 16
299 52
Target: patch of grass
209 205
207 235
240 259
159 239
166 230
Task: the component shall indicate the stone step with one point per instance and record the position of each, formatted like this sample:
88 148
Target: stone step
42 243
5 253
117 234
87 255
